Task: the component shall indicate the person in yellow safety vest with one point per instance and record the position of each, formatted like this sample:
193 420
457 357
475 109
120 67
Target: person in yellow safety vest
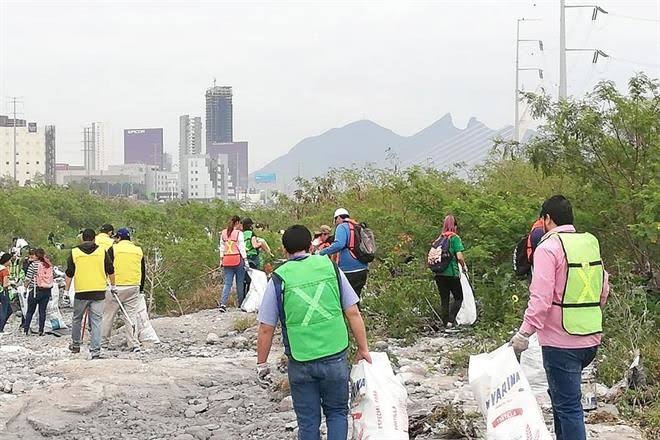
566 298
91 267
128 260
104 237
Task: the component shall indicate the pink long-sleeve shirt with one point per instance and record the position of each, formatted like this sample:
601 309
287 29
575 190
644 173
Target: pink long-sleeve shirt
548 281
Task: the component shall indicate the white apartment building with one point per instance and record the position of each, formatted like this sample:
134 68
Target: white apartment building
200 183
30 152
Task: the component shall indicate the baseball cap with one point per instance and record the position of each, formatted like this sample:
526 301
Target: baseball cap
325 229
340 211
123 233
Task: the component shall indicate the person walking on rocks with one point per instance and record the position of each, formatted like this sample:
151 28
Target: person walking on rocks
448 280
91 267
128 261
38 283
568 291
5 306
356 271
310 297
233 259
104 237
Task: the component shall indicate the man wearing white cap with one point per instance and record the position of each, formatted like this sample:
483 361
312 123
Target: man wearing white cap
356 271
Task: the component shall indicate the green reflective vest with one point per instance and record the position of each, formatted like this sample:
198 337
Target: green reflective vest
249 249
581 312
313 312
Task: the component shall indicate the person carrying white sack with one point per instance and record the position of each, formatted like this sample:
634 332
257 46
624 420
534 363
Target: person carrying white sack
568 291
311 297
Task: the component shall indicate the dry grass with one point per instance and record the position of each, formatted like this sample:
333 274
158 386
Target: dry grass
245 322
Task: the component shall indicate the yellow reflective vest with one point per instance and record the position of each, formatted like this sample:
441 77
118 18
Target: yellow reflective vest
103 240
90 270
128 263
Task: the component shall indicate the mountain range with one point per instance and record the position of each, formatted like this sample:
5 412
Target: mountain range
440 145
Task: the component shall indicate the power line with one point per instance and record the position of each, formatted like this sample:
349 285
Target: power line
640 63
630 17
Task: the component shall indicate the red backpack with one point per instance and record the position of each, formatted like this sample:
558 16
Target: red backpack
44 276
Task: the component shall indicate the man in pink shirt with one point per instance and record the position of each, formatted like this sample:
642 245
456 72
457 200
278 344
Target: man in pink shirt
568 291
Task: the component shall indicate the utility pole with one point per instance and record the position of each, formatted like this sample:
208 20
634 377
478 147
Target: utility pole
15 154
516 124
563 93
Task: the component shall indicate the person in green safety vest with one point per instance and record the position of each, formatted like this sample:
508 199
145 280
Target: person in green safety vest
252 244
568 292
310 297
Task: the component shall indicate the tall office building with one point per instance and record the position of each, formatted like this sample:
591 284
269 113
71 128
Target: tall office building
144 146
219 115
100 152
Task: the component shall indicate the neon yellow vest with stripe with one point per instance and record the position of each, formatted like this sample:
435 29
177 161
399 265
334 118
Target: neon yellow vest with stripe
581 312
103 240
313 312
90 270
128 263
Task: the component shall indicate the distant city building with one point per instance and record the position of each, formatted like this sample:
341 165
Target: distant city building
237 161
162 185
100 148
144 146
201 179
190 144
31 150
51 156
167 162
219 115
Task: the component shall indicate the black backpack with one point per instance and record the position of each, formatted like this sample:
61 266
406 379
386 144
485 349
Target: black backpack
521 265
439 257
364 243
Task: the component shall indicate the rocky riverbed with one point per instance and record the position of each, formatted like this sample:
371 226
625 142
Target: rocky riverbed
199 384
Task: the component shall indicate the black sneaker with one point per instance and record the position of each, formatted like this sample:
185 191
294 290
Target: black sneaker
222 308
135 350
74 349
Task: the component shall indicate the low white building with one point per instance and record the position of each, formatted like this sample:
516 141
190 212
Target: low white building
32 152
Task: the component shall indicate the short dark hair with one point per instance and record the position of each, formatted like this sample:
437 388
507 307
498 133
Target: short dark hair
107 228
296 238
344 216
5 257
247 224
559 209
88 234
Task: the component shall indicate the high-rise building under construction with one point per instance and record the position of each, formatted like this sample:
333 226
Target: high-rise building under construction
219 115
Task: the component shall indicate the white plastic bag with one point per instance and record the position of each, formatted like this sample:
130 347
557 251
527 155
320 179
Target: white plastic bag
146 332
505 397
531 361
257 290
467 315
378 405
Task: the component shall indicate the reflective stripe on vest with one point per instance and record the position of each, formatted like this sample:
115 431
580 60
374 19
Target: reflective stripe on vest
312 308
581 312
128 263
103 240
90 270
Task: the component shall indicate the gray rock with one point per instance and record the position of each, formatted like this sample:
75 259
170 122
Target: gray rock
286 404
189 413
184 437
222 396
199 432
212 339
206 383
381 346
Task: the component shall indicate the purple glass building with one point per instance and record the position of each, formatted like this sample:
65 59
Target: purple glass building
144 145
237 153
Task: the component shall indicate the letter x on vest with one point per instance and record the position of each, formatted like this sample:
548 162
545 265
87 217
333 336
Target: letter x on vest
313 303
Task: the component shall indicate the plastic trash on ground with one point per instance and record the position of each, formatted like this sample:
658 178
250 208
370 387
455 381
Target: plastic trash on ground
146 332
255 295
467 315
505 397
378 406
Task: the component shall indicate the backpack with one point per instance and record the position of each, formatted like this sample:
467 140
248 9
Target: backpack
44 278
521 264
231 256
361 243
439 257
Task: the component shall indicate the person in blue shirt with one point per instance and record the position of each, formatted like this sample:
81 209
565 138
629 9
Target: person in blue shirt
355 270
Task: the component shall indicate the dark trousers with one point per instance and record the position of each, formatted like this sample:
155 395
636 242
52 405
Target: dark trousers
357 280
39 300
449 286
563 368
5 308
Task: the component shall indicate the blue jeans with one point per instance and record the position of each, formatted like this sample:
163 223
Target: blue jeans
563 367
5 308
320 384
237 272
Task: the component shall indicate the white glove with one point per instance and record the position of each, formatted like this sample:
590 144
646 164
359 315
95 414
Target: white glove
519 342
263 375
113 289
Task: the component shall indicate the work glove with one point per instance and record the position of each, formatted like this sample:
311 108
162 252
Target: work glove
113 290
519 342
263 375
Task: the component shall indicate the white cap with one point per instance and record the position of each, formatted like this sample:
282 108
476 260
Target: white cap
340 211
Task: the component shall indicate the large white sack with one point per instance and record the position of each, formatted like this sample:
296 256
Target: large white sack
505 397
21 291
378 405
531 361
255 295
467 315
146 332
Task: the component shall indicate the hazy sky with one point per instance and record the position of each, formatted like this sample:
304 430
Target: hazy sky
298 68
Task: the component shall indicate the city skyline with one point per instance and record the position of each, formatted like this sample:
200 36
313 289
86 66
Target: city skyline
295 73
